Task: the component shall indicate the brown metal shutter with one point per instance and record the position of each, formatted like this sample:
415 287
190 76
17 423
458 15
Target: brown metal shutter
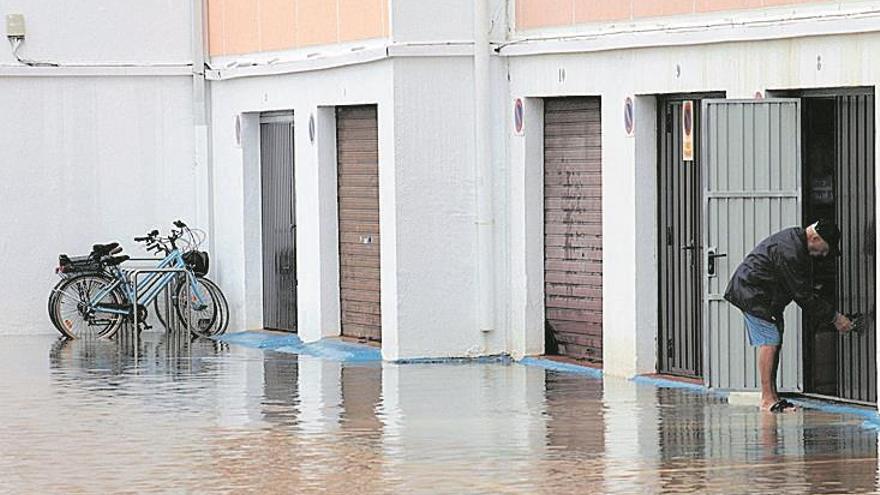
573 225
357 142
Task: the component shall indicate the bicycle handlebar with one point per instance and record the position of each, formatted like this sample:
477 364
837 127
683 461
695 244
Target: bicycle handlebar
148 237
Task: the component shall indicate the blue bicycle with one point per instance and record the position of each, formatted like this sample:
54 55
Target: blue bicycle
96 295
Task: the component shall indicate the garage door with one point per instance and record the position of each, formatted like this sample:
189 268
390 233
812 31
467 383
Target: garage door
573 225
357 142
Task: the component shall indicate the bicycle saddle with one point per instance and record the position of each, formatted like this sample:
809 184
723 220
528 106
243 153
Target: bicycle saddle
106 249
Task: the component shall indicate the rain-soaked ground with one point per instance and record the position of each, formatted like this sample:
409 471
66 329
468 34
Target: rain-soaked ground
206 417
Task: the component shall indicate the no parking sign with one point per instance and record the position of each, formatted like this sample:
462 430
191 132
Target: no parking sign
518 117
687 131
629 121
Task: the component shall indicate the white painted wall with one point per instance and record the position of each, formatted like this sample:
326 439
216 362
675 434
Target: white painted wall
90 159
427 199
740 69
436 209
420 21
237 189
85 160
102 31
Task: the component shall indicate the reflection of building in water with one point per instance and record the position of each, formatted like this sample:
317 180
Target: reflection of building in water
486 419
280 391
172 353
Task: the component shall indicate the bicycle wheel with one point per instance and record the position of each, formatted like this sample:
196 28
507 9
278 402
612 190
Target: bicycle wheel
53 295
210 318
71 312
160 303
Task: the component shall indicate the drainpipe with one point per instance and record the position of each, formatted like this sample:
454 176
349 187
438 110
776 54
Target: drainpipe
201 108
483 168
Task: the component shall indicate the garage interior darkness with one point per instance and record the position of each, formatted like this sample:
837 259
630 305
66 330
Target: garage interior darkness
838 164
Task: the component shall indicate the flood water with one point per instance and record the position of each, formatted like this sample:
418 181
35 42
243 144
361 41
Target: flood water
207 417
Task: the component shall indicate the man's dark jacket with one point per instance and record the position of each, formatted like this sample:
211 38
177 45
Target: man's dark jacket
776 272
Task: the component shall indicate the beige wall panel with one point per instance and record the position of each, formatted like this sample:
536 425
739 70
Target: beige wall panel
247 26
716 5
277 24
771 3
361 19
532 14
316 22
655 8
600 10
240 27
539 13
215 23
386 23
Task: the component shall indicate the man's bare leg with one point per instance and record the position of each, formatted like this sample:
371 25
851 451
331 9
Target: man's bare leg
768 362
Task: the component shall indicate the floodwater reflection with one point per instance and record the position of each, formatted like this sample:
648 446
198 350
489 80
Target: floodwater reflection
168 414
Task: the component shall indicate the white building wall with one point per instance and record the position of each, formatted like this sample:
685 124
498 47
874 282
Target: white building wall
102 31
237 188
427 199
419 21
629 194
87 153
436 208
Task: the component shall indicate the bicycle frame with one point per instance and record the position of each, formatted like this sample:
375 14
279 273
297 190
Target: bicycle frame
153 285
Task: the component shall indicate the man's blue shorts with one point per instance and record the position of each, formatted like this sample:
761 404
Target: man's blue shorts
762 332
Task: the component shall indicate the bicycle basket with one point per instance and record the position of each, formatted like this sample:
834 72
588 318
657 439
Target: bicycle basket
198 261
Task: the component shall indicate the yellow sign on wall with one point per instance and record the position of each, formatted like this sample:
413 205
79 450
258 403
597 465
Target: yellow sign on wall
687 131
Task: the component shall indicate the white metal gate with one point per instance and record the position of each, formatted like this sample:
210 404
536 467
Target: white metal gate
751 189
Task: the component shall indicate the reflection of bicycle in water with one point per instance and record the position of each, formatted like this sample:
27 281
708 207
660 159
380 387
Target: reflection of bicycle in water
96 295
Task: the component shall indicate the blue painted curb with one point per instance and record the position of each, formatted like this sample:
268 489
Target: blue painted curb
667 383
500 359
872 417
549 364
333 350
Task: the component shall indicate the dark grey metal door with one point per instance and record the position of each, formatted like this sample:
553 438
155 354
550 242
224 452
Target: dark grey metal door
856 203
680 240
751 177
279 224
573 224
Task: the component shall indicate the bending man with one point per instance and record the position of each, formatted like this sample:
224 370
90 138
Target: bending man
776 272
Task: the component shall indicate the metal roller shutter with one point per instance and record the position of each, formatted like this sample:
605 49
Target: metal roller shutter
357 141
573 225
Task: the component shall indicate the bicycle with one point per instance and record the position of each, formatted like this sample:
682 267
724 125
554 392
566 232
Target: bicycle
95 295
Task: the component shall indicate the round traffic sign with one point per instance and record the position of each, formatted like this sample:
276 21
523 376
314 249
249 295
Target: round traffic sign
518 116
628 117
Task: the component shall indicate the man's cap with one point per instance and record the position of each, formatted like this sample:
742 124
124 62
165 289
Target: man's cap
829 233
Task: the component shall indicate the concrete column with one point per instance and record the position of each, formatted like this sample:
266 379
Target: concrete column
317 236
646 262
527 232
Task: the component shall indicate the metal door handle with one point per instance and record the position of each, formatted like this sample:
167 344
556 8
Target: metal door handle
711 254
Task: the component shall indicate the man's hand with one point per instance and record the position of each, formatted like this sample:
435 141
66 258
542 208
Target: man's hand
842 323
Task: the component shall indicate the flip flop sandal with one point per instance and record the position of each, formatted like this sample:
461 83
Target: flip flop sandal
781 405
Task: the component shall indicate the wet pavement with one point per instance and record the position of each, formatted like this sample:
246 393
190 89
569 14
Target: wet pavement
173 416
